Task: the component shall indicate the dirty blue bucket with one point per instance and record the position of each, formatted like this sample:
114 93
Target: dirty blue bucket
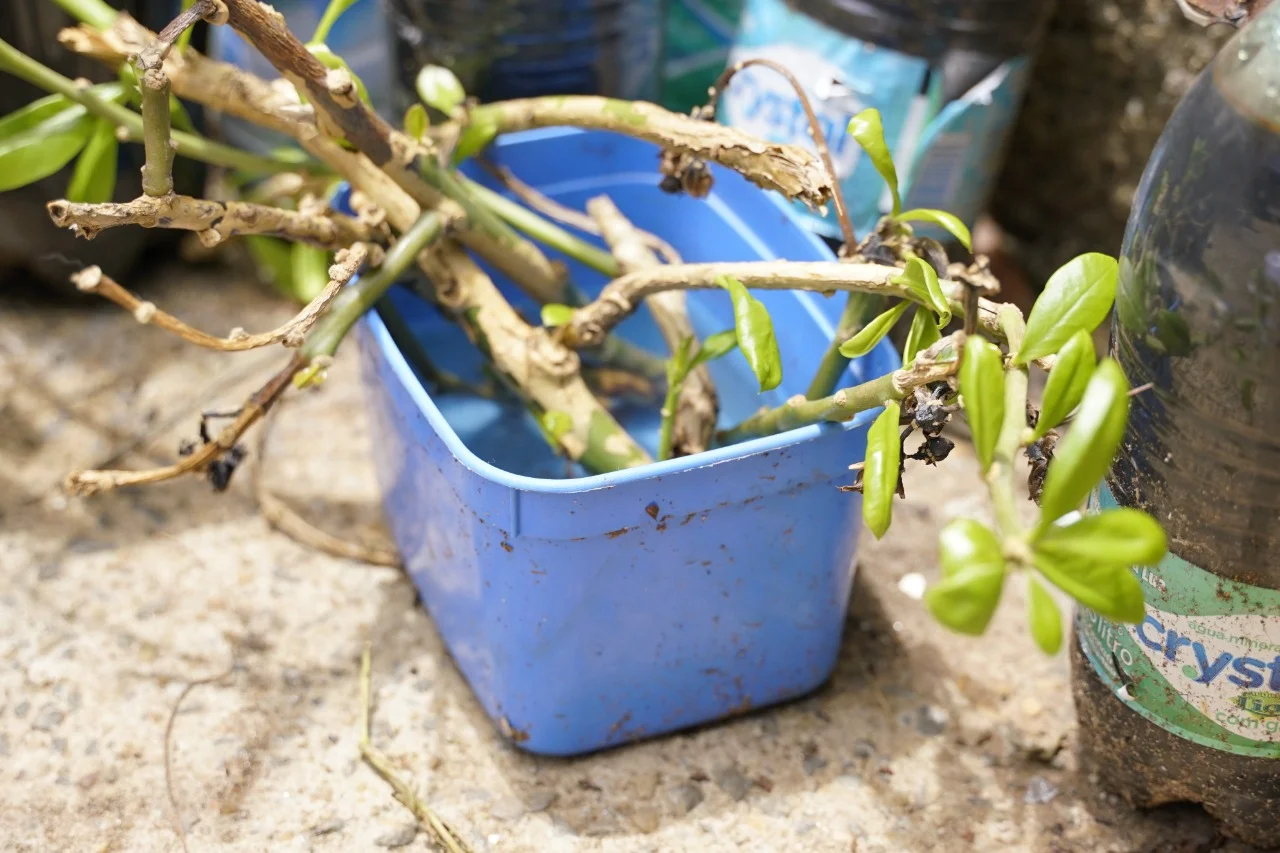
590 611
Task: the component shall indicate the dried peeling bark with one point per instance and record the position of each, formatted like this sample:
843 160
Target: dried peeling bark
213 221
788 169
698 406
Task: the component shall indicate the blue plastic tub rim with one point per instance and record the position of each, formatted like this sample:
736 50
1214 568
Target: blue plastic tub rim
716 456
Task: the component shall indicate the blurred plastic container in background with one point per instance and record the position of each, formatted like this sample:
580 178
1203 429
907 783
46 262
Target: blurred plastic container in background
946 75
699 35
503 49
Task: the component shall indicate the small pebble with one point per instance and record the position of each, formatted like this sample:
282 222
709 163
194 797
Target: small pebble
21 710
931 721
292 678
50 718
805 827
769 726
541 800
507 809
4 745
328 827
732 782
814 763
1039 790
49 571
686 797
863 748
646 818
400 837
59 745
88 781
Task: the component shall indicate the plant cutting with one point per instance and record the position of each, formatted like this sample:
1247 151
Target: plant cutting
355 206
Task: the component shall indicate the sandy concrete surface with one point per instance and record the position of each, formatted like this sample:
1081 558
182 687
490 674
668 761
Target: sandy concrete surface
110 606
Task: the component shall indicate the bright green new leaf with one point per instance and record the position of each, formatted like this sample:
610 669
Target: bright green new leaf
554 314
1067 381
1076 297
1126 536
332 13
1044 617
869 335
440 89
867 131
310 271
947 221
556 424
922 279
972 577
33 114
416 121
719 344
982 393
333 62
94 178
880 470
1106 587
923 334
476 136
1080 459
755 333
43 149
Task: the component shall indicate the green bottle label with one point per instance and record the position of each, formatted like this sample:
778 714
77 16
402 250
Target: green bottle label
1204 664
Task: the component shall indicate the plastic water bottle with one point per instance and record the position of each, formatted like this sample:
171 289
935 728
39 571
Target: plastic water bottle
1186 705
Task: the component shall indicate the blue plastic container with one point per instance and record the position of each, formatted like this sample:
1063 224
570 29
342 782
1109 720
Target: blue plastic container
591 611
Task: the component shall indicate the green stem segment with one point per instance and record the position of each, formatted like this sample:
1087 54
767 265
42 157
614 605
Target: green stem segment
363 294
1000 476
841 406
666 433
96 13
157 171
189 145
859 309
545 231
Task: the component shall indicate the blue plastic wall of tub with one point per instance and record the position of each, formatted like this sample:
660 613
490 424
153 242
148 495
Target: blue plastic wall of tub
589 611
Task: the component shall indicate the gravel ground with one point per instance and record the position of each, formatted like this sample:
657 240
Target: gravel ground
111 607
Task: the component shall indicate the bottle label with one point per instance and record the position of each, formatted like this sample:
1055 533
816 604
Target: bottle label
1204 664
947 154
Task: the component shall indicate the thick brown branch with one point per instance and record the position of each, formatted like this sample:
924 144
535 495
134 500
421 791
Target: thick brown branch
788 169
152 58
698 406
291 334
624 294
213 221
86 483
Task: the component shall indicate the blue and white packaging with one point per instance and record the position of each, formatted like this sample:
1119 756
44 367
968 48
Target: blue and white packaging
948 155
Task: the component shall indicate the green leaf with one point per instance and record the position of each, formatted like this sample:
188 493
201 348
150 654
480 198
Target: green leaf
94 179
1107 588
1067 381
947 221
273 258
1076 297
33 114
679 364
717 345
43 149
1124 536
1083 457
185 38
1044 617
982 392
440 89
869 335
556 424
973 572
333 62
923 334
178 115
310 267
332 13
867 131
880 471
416 121
755 333
476 136
922 279
554 314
